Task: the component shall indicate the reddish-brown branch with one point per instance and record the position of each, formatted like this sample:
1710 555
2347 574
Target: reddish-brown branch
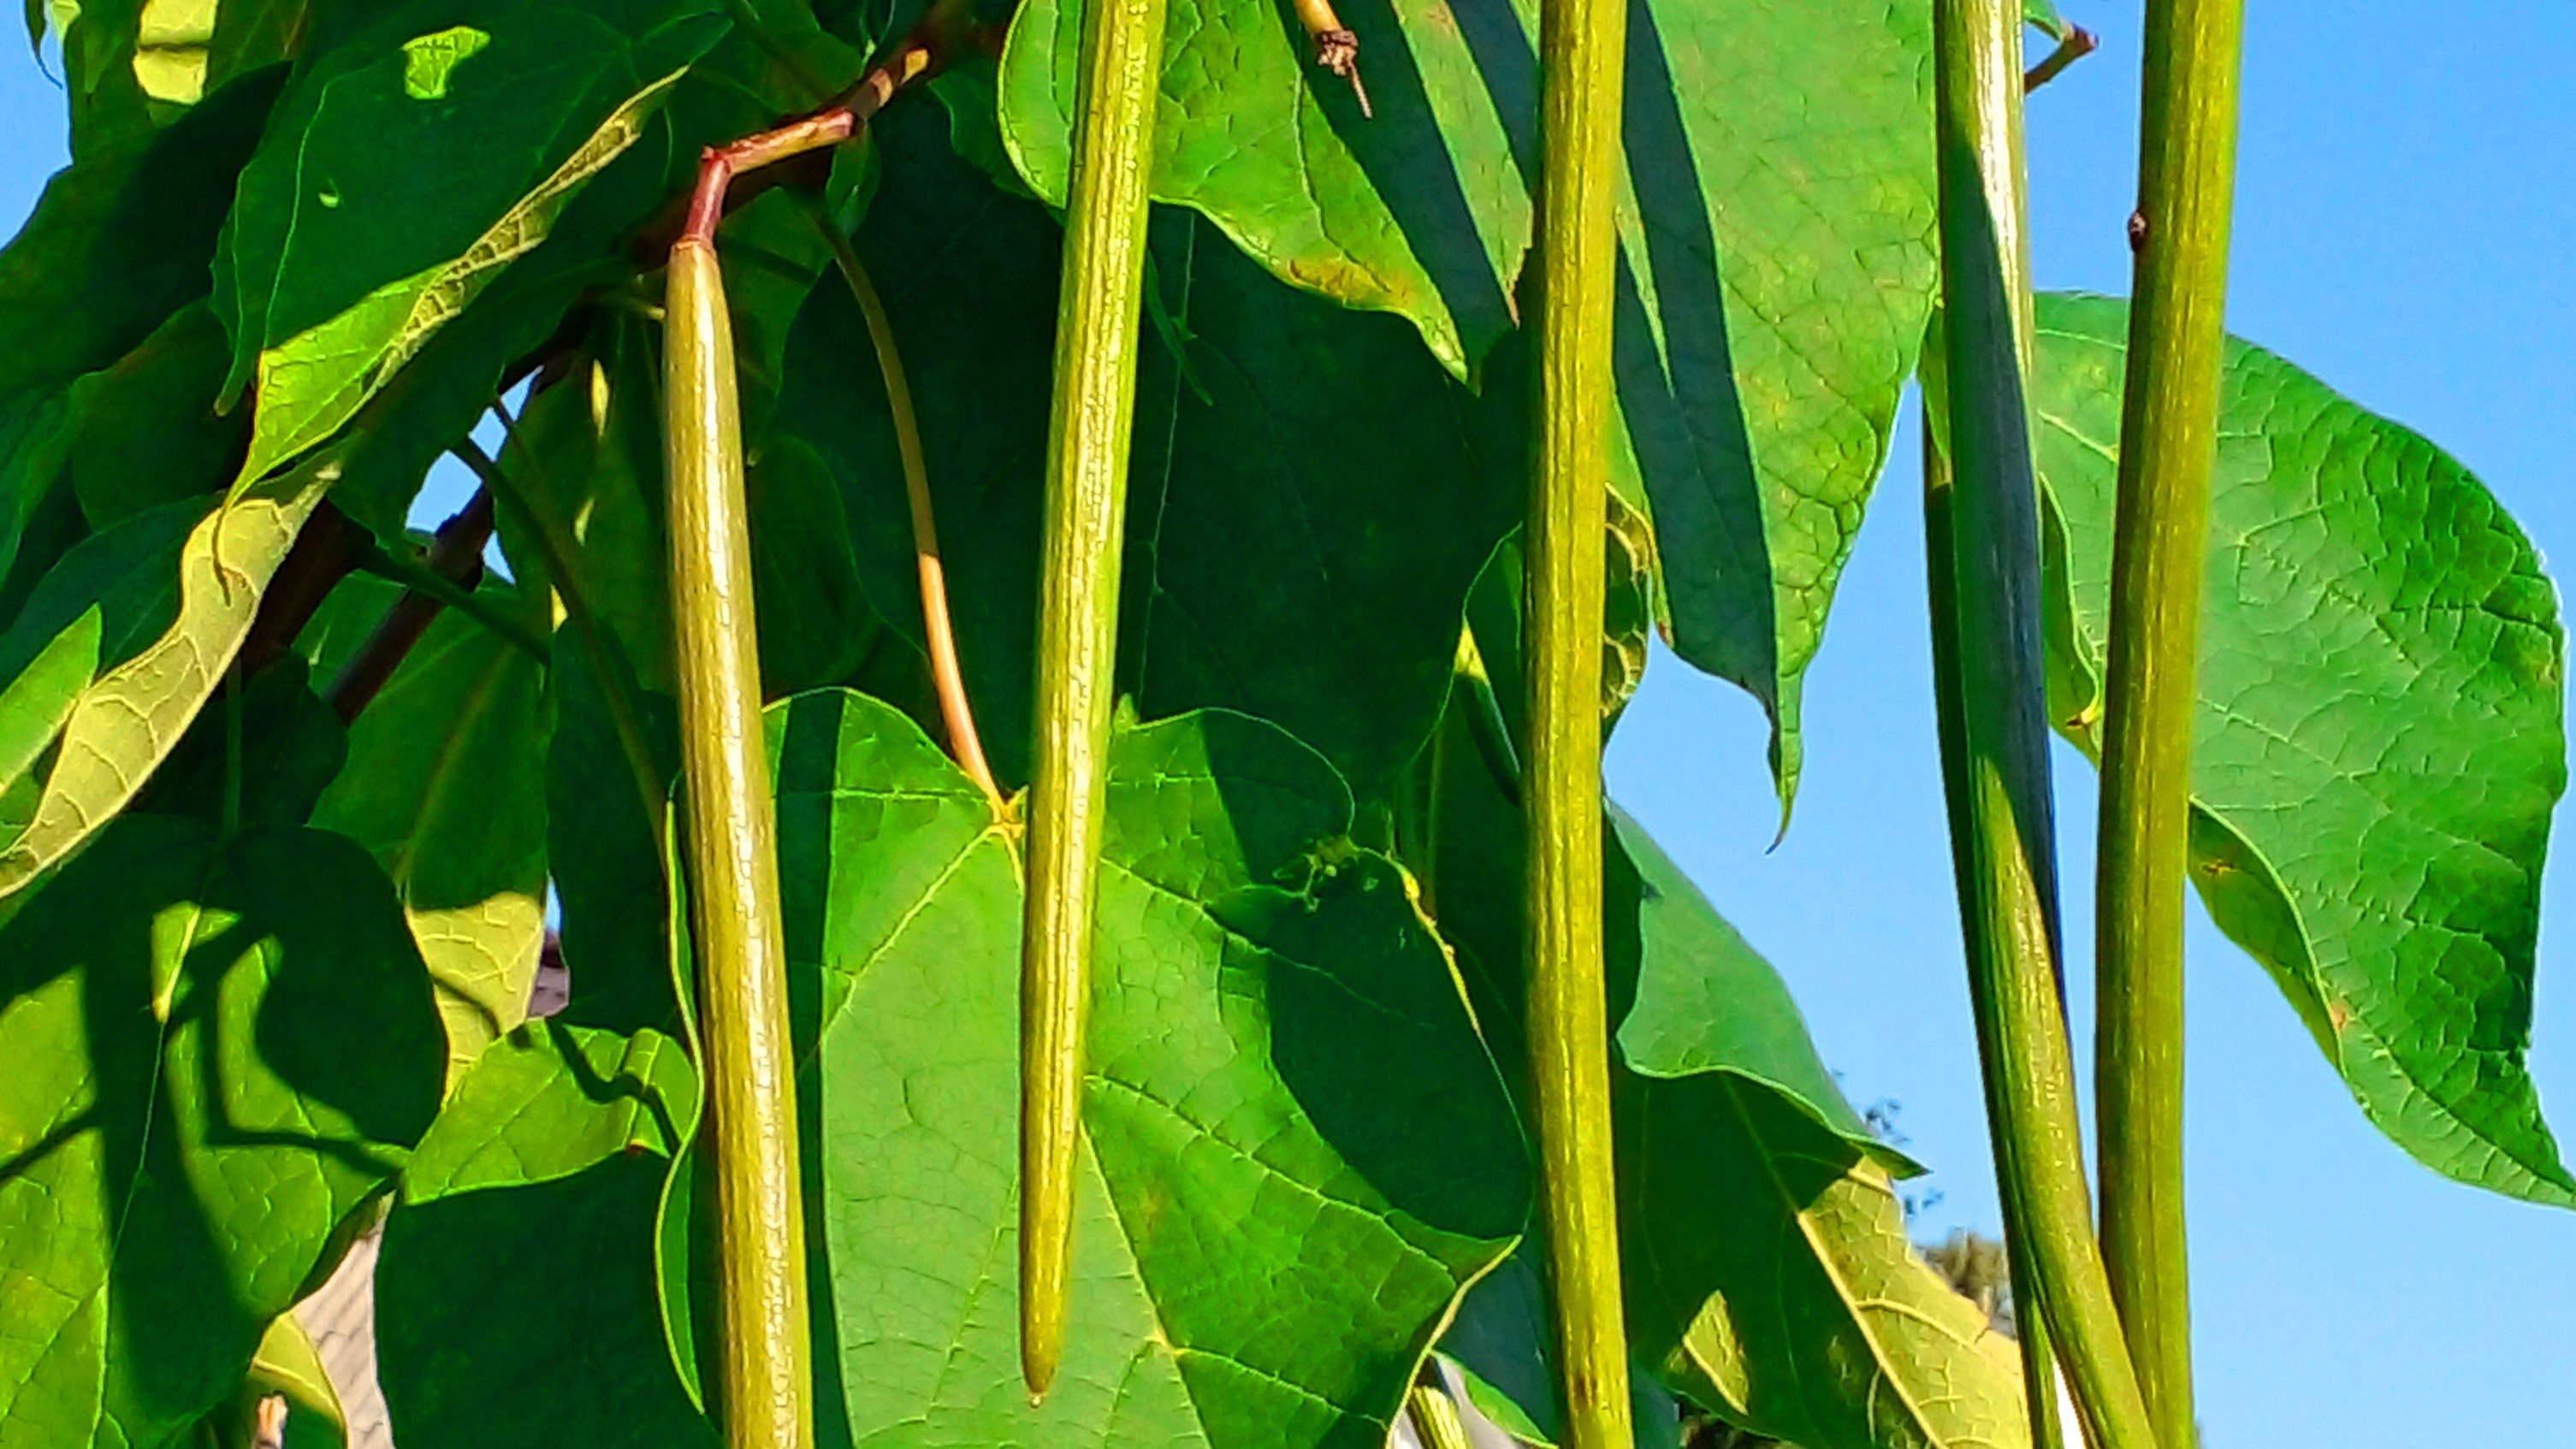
323 554
762 160
455 554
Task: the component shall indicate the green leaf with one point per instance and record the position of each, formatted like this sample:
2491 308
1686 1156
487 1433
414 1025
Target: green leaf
1775 229
445 785
1312 495
218 1050
408 168
606 854
1775 1283
515 1297
121 241
1298 1152
38 702
2380 737
2042 16
146 431
187 621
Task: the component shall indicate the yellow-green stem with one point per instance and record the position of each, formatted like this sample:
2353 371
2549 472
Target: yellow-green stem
2168 446
1582 45
1086 503
2030 1320
764 1375
2003 830
947 678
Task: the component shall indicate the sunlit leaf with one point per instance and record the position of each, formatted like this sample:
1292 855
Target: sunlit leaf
2380 737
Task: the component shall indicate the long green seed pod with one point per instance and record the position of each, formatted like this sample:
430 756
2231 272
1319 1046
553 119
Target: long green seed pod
1086 504
2030 1320
1582 44
2002 829
765 1373
2168 446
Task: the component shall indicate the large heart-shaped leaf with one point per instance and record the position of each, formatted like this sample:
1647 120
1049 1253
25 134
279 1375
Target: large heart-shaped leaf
217 1050
2380 736
1299 1153
407 168
445 784
1311 495
1776 263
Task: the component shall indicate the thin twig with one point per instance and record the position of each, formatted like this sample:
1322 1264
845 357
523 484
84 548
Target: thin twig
556 549
420 578
937 631
2079 43
456 555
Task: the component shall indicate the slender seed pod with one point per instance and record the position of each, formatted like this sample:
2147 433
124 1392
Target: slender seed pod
1581 49
1995 755
765 1377
1097 318
2168 447
2030 1320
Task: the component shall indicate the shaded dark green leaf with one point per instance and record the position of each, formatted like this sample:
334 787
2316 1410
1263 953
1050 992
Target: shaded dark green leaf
515 1301
218 1050
445 786
122 240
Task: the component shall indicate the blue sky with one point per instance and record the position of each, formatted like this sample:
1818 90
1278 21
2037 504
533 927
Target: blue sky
2407 194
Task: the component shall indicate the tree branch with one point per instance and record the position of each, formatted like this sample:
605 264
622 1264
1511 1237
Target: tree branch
2079 43
730 176
456 555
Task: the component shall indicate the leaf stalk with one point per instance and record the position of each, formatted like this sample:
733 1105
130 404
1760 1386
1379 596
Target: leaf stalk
938 629
1983 539
2168 449
1582 46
